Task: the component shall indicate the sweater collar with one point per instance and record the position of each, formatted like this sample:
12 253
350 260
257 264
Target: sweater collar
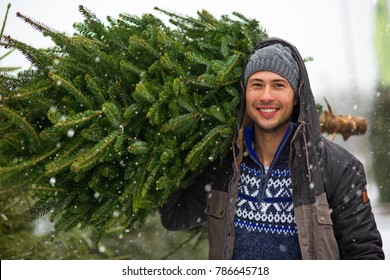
250 140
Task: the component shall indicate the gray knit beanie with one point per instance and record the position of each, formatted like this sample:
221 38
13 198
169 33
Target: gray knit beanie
275 58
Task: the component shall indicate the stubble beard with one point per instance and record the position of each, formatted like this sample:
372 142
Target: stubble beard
280 125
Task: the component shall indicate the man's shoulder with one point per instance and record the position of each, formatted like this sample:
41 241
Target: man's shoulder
337 156
334 148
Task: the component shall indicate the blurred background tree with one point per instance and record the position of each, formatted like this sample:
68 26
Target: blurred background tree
380 115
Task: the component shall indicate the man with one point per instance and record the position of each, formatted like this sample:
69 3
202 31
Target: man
289 193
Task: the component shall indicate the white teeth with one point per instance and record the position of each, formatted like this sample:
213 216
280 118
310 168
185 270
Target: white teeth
268 110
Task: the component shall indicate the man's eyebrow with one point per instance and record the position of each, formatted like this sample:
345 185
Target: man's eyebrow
256 80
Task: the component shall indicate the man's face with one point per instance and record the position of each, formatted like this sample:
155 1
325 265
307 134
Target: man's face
269 101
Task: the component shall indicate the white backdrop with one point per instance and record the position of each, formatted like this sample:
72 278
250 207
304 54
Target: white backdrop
338 34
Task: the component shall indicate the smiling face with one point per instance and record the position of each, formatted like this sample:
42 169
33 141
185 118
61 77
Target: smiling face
269 101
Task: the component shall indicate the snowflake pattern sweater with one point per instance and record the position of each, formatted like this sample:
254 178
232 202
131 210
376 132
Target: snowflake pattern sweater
264 218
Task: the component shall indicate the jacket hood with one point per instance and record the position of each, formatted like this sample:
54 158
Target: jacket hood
308 115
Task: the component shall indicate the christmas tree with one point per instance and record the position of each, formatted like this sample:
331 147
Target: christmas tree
112 120
115 118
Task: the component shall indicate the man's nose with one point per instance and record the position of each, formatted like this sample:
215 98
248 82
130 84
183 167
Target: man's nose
267 94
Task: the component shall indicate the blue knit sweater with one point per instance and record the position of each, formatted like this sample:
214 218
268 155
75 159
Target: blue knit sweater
264 218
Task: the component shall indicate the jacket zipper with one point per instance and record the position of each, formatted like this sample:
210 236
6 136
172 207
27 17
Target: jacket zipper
299 132
227 220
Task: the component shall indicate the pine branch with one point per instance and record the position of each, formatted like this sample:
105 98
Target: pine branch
69 220
143 44
37 25
65 160
95 89
225 72
196 58
21 122
113 114
216 113
144 93
8 69
200 147
78 119
25 94
180 20
180 122
6 54
140 197
184 100
27 164
39 58
128 66
77 94
92 156
93 23
117 90
138 148
5 20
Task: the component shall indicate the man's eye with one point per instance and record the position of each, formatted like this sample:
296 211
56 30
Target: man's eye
257 85
279 85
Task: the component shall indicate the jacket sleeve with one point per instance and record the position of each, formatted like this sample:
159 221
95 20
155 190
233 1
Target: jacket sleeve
186 208
354 223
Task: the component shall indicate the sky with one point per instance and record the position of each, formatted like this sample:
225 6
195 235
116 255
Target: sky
338 34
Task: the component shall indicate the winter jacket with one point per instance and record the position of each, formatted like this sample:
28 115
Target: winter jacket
332 210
